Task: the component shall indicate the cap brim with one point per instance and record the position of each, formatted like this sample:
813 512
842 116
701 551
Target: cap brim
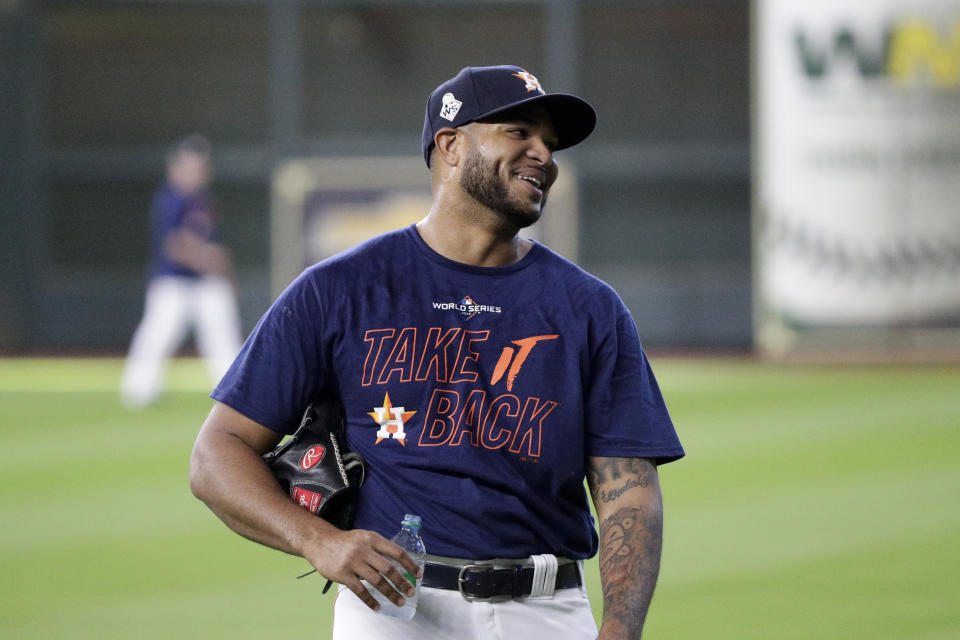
573 118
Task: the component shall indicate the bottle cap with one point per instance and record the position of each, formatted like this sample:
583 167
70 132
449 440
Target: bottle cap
412 520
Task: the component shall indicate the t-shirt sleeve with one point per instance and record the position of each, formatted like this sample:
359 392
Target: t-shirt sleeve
625 411
281 367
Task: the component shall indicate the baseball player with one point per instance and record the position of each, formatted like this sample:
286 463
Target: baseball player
188 279
483 378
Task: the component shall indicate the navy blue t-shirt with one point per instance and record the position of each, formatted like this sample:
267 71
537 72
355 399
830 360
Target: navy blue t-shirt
171 211
474 394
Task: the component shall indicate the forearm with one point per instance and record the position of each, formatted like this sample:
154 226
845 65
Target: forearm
627 496
240 490
229 476
192 251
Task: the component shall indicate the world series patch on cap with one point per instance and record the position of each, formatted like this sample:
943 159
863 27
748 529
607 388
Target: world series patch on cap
478 93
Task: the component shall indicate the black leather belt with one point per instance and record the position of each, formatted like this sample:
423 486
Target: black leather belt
482 582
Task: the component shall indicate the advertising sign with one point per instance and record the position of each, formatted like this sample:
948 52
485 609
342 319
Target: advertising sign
857 164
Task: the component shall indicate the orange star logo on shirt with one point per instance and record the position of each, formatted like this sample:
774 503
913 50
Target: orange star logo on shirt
391 420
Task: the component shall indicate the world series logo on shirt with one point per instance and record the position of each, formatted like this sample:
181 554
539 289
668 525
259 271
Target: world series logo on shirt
467 307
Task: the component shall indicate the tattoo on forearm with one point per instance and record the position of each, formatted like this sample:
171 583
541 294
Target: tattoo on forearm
639 473
605 469
609 495
630 537
631 540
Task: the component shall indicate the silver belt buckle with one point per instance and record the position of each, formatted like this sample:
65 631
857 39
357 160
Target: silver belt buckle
460 581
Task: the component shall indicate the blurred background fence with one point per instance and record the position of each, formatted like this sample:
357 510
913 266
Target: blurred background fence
92 93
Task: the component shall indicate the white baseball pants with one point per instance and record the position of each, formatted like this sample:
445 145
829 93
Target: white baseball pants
446 614
174 305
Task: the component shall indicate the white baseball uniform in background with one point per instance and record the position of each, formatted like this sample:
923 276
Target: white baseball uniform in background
174 305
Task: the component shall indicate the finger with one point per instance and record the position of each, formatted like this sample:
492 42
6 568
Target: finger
400 555
365 596
395 575
375 573
379 582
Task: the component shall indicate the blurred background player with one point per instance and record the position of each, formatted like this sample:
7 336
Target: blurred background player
189 278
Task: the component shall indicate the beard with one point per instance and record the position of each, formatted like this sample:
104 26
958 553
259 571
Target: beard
481 181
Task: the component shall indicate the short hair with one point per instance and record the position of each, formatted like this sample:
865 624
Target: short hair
194 143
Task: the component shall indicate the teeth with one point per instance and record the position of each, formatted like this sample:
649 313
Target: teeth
535 181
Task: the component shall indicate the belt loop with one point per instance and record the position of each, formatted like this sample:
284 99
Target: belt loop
544 575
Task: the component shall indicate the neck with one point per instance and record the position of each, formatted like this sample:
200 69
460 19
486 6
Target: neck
461 235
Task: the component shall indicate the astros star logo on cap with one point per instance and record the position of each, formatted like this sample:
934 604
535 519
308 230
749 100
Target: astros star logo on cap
532 83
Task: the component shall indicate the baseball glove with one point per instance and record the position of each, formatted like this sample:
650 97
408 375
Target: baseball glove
315 468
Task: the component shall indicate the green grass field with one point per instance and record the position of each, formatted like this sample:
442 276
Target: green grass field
815 502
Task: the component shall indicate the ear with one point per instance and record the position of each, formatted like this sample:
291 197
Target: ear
449 145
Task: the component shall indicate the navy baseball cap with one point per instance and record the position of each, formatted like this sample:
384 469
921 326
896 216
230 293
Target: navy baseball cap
477 93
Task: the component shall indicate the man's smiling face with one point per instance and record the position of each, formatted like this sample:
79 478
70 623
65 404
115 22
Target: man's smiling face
509 165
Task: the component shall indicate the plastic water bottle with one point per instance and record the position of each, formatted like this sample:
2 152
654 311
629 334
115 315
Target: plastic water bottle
409 538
